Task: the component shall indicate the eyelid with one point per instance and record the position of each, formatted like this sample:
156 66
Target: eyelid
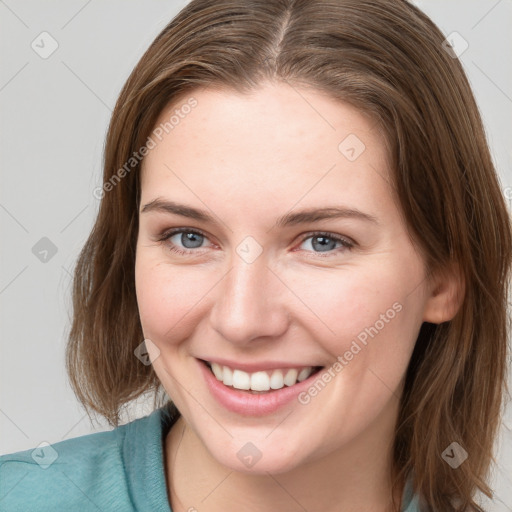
339 238
170 232
167 234
347 243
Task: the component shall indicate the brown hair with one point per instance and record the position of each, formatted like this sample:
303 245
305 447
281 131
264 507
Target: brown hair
386 58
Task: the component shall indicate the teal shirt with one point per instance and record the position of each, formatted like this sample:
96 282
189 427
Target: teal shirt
121 470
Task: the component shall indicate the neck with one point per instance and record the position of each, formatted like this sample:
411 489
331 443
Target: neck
353 478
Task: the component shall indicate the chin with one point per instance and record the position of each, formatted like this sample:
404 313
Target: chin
257 458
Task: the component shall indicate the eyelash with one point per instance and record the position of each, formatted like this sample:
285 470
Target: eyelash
346 243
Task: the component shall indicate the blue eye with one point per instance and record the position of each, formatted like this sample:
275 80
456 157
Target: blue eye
327 242
187 240
190 239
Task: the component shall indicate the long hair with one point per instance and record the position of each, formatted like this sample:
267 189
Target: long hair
386 58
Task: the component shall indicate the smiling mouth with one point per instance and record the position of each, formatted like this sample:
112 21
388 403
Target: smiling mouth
260 382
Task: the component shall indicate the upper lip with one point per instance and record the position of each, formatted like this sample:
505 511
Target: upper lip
258 366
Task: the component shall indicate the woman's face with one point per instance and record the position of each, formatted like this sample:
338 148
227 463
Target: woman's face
286 252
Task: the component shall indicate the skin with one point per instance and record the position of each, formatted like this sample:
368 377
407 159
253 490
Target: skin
247 160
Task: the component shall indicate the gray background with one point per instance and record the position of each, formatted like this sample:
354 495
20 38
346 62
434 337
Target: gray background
54 116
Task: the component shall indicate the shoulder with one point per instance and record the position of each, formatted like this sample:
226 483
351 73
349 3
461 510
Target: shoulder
410 501
74 472
84 473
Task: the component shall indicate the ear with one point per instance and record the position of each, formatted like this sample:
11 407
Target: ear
446 293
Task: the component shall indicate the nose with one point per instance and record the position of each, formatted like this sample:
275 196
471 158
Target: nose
250 303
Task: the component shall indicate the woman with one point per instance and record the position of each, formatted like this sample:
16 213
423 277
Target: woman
303 242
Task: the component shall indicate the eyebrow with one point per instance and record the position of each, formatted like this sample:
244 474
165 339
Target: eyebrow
289 219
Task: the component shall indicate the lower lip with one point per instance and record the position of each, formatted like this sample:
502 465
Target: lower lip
247 404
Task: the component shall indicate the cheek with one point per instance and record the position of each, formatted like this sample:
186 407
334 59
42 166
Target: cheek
169 299
379 306
374 317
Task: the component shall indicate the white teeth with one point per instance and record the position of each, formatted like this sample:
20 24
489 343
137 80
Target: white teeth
241 380
291 377
304 374
227 376
217 371
276 380
261 380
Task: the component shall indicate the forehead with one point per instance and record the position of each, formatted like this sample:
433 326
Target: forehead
279 142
